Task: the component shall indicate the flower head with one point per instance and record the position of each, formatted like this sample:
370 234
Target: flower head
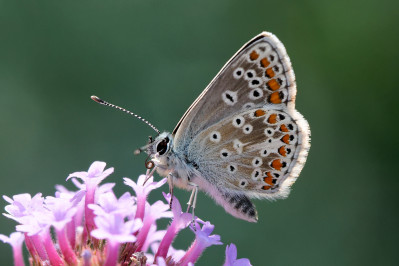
231 257
15 240
109 204
203 239
180 221
23 205
95 174
142 189
92 226
114 228
92 179
61 211
203 234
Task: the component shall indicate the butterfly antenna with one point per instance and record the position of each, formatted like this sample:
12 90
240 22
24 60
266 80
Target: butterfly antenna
100 101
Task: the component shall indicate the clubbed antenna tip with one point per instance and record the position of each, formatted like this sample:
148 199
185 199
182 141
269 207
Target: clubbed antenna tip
96 99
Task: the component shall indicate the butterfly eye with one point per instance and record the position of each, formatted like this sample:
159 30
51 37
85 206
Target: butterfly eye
162 146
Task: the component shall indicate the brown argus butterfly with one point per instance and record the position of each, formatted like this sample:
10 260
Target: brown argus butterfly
242 138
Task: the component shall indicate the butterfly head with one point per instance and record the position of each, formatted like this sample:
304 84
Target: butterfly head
161 146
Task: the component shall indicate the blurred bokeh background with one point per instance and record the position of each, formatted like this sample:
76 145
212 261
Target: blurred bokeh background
155 58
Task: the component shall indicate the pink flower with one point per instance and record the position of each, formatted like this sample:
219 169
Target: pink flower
108 204
23 205
142 190
15 240
92 224
231 257
203 239
92 179
180 221
115 230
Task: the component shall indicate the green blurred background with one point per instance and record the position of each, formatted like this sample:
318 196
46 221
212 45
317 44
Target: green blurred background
155 57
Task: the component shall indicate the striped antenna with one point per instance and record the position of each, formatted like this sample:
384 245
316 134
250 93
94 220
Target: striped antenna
98 100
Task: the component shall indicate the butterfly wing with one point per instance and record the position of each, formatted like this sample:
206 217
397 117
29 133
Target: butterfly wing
243 131
259 73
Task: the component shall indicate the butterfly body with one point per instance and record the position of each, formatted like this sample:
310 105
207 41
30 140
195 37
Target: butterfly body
242 138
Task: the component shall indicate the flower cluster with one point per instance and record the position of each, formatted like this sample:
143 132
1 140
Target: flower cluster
91 226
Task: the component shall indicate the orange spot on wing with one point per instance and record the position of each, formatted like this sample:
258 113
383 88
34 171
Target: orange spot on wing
270 73
276 164
283 128
266 187
268 179
273 85
253 55
259 112
272 119
264 62
282 151
286 139
275 97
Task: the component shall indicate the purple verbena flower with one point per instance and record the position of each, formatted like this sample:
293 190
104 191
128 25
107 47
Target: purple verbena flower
203 239
15 240
94 227
231 257
180 221
92 179
152 213
62 212
142 189
108 204
115 230
23 205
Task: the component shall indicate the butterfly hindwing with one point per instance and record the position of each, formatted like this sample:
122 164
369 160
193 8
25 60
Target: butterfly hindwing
254 151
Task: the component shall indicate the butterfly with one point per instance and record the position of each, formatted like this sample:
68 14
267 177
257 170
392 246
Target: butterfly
242 138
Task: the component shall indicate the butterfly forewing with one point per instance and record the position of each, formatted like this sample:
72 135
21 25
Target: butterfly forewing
259 73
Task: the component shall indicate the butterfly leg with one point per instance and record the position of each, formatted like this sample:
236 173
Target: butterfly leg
193 199
170 183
